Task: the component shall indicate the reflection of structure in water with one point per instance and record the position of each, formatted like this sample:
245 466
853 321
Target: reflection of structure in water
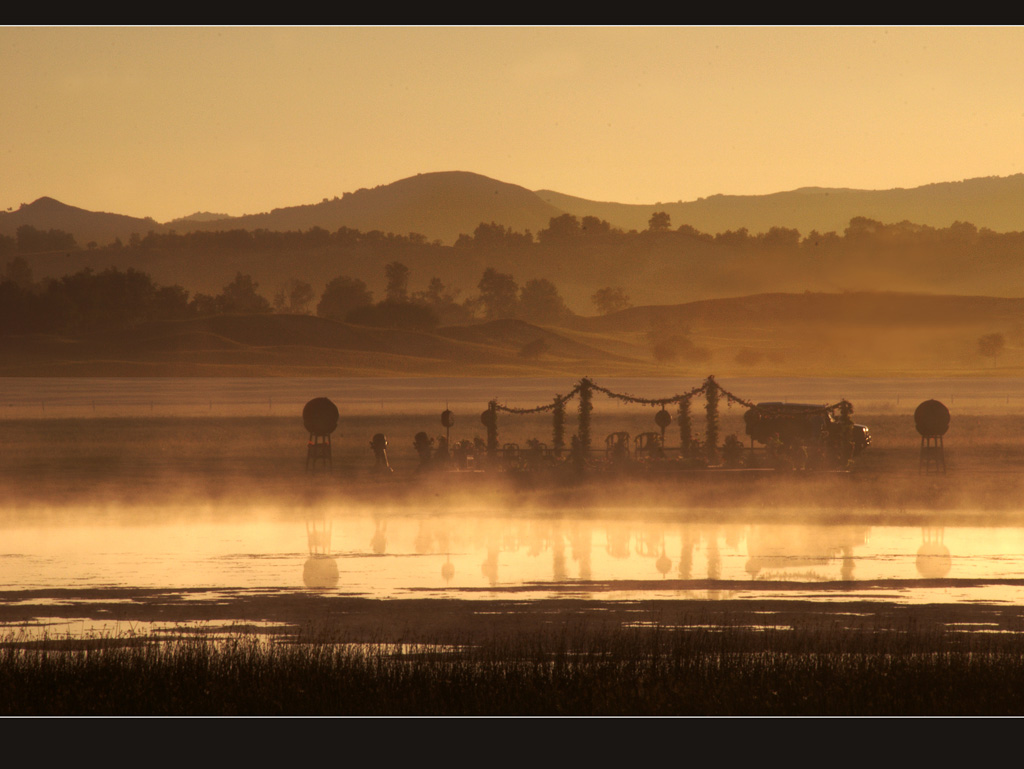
379 540
664 563
489 568
320 569
933 558
778 551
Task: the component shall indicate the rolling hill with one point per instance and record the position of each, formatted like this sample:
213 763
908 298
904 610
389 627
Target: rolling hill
996 203
443 205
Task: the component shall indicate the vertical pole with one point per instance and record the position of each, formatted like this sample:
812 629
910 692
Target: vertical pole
711 431
685 433
492 429
558 426
584 416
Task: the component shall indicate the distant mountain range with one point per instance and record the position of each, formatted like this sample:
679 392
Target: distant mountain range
993 202
441 206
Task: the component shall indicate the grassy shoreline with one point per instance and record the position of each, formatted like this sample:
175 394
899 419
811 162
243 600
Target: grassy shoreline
558 657
575 670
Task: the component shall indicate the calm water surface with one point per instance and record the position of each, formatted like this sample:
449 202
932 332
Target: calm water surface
432 556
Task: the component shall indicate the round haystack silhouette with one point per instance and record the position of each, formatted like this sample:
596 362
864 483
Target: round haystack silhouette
931 418
320 416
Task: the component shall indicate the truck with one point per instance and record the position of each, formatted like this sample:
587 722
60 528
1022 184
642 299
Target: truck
802 436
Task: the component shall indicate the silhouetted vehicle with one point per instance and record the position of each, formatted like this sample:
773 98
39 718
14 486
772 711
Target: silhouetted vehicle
805 435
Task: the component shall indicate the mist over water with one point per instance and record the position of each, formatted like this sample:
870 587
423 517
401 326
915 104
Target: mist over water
48 398
132 484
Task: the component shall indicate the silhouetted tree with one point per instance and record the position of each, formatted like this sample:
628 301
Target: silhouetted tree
170 302
31 240
294 297
397 275
736 238
443 301
203 305
540 301
494 235
19 273
560 229
781 238
341 296
660 221
15 309
498 294
611 299
991 346
592 226
240 297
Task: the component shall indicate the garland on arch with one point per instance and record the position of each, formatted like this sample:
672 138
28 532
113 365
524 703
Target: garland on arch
559 401
586 387
707 384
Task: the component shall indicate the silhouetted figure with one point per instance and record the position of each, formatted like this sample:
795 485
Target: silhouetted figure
442 457
423 445
617 447
462 452
649 445
379 444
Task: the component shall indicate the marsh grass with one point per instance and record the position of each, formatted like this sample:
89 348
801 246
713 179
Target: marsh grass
587 670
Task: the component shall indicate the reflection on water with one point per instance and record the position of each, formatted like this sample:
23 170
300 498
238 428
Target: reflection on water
320 569
933 558
405 555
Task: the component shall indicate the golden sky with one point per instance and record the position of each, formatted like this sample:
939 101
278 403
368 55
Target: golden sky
163 122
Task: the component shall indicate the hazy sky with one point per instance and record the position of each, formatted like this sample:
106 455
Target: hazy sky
163 122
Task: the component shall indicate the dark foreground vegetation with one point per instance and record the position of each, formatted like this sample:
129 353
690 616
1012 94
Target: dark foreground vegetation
587 671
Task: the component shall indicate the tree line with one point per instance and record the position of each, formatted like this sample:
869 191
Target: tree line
90 301
566 229
593 263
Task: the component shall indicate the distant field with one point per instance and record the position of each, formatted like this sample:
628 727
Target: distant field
794 335
243 460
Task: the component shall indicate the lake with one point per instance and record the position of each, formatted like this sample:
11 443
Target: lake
100 515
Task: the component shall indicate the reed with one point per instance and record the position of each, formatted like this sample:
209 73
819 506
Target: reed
584 670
